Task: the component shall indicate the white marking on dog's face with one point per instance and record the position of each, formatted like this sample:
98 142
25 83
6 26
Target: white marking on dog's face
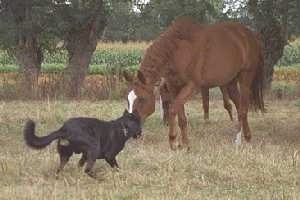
131 98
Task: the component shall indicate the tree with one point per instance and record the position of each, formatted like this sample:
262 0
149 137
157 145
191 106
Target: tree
22 25
121 23
163 12
80 23
276 21
144 20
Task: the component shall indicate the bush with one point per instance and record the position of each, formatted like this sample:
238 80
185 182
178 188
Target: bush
291 55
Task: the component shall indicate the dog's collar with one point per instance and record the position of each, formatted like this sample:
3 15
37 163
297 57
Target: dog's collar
125 131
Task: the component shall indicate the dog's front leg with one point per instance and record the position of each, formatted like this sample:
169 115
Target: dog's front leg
91 159
82 160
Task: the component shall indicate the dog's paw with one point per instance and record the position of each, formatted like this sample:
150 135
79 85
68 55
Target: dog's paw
91 174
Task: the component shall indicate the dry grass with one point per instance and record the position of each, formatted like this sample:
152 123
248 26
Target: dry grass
267 168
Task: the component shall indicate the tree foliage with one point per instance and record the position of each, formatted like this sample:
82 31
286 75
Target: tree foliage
140 20
276 21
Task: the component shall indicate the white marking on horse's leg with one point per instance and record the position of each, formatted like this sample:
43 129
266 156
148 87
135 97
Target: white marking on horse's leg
238 139
131 98
161 108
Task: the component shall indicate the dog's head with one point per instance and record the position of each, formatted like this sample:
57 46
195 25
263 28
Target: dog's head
132 123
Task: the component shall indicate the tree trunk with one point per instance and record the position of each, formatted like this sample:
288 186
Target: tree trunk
273 34
81 44
29 57
27 50
80 52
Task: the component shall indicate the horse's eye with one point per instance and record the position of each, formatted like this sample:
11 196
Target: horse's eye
142 99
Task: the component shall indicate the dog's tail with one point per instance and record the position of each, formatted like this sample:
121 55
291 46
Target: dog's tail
36 142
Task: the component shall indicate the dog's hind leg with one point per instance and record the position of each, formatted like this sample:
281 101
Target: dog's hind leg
82 160
112 162
65 153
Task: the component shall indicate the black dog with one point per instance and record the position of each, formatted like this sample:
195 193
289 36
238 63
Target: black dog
94 138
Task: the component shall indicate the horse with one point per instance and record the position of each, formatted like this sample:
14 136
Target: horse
229 92
191 56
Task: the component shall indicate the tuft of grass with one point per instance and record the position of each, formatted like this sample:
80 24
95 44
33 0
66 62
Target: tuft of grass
266 168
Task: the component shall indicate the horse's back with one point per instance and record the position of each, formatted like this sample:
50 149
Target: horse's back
225 49
240 36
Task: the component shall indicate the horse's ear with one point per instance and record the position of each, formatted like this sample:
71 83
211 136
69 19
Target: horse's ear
128 77
125 112
141 77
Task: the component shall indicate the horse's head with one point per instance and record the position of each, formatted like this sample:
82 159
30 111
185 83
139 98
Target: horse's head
141 96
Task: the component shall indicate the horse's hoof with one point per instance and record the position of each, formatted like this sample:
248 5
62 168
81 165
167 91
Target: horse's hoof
188 148
173 146
183 147
206 121
247 138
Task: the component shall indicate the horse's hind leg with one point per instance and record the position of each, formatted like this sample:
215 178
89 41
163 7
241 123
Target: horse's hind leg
227 104
205 102
234 94
245 81
182 122
65 152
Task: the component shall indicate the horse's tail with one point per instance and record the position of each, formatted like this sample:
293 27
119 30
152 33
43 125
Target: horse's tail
257 100
36 142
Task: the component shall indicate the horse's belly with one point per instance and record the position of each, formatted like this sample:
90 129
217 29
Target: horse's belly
220 69
217 75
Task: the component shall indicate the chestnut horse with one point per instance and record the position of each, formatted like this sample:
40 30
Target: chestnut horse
191 56
228 92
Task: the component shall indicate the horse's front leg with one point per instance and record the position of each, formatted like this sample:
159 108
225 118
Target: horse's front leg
176 107
172 131
182 122
205 102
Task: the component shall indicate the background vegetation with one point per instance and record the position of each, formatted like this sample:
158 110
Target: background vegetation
69 30
105 73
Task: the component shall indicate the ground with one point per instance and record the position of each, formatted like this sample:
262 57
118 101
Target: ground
266 168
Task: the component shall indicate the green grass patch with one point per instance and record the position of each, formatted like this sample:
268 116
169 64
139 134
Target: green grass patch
291 66
8 68
102 69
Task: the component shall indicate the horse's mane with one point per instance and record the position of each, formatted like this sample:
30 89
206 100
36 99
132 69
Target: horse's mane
159 52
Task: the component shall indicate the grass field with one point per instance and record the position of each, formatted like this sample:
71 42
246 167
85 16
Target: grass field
267 168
